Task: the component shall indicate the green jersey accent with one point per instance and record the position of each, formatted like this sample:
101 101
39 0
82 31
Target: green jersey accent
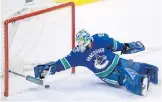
65 63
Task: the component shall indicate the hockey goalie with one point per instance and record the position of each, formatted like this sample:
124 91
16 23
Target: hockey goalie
97 53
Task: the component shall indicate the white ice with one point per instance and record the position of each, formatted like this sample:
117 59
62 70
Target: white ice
124 20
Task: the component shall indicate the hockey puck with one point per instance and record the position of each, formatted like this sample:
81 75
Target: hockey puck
47 86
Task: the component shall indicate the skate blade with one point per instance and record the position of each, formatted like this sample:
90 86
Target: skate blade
145 86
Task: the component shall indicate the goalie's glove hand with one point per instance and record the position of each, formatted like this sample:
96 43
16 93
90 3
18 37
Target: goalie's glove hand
40 71
133 47
125 48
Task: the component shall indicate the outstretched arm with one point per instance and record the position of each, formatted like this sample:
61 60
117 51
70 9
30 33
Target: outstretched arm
40 71
125 48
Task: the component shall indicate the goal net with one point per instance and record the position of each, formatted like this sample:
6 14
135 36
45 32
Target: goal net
37 34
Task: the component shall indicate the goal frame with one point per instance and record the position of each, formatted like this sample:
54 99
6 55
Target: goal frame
35 13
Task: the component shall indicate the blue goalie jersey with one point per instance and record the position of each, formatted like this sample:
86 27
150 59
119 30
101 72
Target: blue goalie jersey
99 58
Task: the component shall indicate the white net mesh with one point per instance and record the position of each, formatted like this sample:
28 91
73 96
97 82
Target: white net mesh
39 39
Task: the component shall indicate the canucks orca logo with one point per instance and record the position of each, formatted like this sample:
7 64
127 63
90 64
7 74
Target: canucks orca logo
101 62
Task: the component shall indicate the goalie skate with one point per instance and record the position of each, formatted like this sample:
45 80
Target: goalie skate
145 86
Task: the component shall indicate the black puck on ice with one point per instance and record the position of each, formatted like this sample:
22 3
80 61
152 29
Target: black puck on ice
47 86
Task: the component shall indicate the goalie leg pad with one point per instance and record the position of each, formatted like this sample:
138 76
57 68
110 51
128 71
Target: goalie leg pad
150 70
112 79
133 81
141 68
129 64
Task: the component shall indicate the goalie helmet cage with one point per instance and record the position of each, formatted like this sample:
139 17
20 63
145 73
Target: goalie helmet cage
29 15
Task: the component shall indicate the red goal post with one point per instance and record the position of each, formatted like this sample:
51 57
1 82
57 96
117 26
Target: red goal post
24 16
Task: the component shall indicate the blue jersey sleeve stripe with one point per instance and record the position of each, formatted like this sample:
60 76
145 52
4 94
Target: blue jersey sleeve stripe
65 63
109 69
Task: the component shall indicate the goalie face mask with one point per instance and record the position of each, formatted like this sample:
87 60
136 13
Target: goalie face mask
83 38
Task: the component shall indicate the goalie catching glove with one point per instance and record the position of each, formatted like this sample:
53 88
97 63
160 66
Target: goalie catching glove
40 71
132 47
